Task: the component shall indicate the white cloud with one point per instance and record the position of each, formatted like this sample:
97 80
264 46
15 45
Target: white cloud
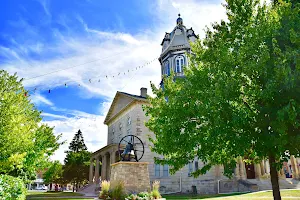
53 116
92 127
99 53
38 99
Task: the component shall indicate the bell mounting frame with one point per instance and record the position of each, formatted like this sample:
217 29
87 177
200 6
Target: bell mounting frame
131 147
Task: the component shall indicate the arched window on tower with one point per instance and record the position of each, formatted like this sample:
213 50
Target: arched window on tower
179 62
167 68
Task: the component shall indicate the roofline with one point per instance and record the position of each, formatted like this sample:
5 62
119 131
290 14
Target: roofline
108 118
103 148
106 121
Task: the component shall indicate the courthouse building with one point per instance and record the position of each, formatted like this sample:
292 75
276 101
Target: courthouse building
126 117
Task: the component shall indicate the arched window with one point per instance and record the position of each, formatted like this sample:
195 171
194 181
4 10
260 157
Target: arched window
167 68
179 62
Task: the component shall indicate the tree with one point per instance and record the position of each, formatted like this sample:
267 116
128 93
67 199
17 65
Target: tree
240 97
76 169
54 174
77 143
25 143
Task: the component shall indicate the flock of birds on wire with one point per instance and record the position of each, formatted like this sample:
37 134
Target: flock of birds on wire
90 80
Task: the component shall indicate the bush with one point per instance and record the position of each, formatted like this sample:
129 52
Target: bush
132 197
155 194
104 194
144 194
140 196
118 192
12 188
155 190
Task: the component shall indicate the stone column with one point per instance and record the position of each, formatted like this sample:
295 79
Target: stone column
237 171
217 171
281 173
294 167
262 166
97 170
257 170
113 157
267 167
91 174
242 168
103 168
108 157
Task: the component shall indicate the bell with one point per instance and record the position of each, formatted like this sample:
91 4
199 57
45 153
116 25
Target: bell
132 155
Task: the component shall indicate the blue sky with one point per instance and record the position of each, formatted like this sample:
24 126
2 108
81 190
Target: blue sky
79 43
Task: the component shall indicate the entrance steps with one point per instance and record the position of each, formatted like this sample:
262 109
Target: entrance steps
265 184
89 190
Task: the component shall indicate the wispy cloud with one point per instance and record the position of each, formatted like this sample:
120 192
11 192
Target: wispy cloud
38 99
45 5
53 116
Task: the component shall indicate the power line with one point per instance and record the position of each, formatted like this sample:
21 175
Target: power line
92 79
26 79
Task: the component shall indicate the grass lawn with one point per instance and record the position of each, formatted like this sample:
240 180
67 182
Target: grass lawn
55 196
285 194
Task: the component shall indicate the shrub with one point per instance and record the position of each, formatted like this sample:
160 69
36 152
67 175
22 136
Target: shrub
155 194
105 185
155 185
132 197
144 194
118 191
104 193
12 188
155 190
140 196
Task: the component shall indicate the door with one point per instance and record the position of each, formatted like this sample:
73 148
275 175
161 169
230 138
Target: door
250 171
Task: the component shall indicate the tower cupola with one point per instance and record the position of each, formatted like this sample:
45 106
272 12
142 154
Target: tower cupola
179 20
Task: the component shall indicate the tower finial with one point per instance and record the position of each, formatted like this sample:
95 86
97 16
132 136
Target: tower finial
179 20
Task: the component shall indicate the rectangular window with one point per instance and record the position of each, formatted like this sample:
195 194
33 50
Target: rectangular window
157 170
196 165
166 170
190 169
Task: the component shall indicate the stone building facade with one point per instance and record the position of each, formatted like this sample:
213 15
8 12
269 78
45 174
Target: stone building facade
126 117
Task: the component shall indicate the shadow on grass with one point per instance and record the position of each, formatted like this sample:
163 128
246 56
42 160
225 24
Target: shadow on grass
187 196
52 194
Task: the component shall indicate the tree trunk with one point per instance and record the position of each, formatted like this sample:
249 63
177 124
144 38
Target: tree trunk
274 178
50 186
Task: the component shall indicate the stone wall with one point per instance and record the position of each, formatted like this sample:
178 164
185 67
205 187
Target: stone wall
135 176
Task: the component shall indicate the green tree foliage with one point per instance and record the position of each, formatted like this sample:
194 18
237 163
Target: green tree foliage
25 144
54 173
240 96
77 143
76 169
12 188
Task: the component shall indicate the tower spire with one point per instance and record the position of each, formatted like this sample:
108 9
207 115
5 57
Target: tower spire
179 20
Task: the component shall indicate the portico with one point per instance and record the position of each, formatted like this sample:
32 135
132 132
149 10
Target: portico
100 163
262 169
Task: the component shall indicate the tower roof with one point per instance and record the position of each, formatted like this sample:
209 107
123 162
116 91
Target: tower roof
179 20
178 38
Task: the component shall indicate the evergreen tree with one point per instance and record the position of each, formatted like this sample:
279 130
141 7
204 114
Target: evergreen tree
76 169
77 143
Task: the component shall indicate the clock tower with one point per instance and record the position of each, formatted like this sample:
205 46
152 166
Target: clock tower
175 46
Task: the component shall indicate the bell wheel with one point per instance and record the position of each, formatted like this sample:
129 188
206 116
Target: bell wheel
131 148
